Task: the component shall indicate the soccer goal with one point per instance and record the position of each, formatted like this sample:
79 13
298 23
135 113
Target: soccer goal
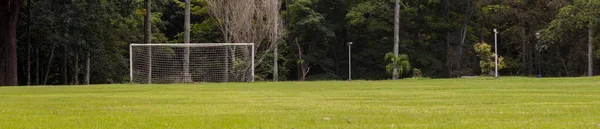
190 63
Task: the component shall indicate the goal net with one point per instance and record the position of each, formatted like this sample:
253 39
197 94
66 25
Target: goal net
189 63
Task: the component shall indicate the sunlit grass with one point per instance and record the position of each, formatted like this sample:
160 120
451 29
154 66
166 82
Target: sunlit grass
410 103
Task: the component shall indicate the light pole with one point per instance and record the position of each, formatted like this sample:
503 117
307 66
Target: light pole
349 61
496 51
538 35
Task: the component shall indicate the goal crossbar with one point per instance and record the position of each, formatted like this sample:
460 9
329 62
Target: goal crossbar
195 44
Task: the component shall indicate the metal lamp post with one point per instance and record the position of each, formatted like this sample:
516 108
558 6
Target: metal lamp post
349 61
496 51
538 35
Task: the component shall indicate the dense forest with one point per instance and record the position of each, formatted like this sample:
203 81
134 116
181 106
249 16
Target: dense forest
48 42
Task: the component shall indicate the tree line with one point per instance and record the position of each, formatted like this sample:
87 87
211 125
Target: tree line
45 42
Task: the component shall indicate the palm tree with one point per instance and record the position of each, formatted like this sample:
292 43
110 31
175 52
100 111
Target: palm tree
398 64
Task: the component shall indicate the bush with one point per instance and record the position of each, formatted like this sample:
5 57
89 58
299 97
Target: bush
487 58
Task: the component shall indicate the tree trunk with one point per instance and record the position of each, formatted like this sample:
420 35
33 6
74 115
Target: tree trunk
525 63
87 69
461 44
227 39
396 35
187 77
37 66
29 47
590 51
302 67
9 15
147 38
274 42
49 64
275 64
76 71
147 22
29 60
226 32
448 49
64 70
465 25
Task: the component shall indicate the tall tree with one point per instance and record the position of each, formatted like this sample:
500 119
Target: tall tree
76 70
319 30
64 69
582 14
148 36
396 35
9 15
187 77
274 40
29 47
248 21
591 14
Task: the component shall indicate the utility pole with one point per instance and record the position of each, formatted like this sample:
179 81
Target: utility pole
496 52
349 61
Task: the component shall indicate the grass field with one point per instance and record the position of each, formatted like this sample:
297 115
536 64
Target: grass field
409 103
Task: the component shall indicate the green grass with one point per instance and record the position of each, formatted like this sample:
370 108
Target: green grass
409 103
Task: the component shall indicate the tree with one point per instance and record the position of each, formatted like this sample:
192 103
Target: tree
202 29
187 77
275 39
519 21
397 64
9 15
94 35
249 21
396 35
148 36
320 29
582 14
304 66
487 58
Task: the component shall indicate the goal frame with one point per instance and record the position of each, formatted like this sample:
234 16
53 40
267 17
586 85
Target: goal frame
190 45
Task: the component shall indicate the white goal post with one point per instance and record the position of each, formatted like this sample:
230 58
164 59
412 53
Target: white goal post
193 62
